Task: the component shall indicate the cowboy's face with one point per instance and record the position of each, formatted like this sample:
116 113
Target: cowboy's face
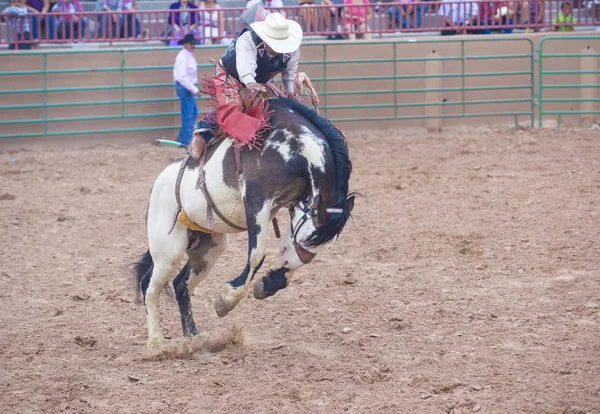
189 46
271 51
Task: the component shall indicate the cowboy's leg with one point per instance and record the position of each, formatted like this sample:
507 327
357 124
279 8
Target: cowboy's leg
258 213
202 134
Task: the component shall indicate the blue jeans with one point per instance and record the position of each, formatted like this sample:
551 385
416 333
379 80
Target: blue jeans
189 113
394 13
107 26
78 29
131 25
21 46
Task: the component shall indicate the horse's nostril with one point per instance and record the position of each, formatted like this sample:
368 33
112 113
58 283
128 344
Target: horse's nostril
285 263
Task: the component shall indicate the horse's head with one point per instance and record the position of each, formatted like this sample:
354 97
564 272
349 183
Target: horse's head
311 228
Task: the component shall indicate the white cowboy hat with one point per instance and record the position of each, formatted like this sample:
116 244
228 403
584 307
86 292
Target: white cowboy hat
280 34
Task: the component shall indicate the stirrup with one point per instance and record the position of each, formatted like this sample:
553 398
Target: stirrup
200 130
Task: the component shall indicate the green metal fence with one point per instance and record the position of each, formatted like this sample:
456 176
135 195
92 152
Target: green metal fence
334 89
563 80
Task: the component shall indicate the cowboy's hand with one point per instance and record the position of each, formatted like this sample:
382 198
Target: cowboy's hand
291 95
256 87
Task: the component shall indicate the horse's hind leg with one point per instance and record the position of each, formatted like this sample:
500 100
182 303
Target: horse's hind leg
201 260
166 252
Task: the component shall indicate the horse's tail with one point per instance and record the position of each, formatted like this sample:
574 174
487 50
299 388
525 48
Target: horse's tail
142 268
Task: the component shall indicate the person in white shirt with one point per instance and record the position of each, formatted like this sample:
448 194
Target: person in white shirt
456 13
185 75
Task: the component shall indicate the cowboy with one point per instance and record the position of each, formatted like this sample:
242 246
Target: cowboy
256 56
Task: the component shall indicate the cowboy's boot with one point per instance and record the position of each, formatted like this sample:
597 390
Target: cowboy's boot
199 140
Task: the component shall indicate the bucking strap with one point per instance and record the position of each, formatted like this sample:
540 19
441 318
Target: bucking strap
177 186
209 201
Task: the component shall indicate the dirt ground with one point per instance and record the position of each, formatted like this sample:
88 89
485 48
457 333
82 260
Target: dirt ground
468 282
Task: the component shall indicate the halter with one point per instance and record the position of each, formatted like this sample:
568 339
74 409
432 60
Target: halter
305 255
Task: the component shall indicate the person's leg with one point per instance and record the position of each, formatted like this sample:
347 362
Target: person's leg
26 39
51 24
348 27
364 29
34 26
82 28
186 99
508 22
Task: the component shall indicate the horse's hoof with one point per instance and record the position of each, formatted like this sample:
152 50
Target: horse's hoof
259 289
155 343
223 306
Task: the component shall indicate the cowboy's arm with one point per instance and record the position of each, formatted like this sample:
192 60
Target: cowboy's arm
245 51
289 74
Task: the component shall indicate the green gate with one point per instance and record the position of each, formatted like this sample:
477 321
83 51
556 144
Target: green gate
561 84
59 101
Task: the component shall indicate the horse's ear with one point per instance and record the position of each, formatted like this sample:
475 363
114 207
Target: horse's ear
350 204
322 210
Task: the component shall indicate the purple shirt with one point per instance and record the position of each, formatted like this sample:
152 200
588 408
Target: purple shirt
36 4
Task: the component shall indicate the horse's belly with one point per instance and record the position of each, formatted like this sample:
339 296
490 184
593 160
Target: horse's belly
226 199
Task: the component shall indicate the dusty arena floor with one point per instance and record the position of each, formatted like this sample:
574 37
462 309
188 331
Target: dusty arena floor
468 282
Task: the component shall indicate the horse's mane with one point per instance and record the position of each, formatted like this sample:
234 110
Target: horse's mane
334 224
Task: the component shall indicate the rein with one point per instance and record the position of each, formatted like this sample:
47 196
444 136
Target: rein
305 255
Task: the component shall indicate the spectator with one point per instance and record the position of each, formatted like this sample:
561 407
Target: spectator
111 23
308 15
185 76
455 14
332 17
212 22
411 12
182 22
594 10
532 13
564 21
356 18
133 23
18 24
271 5
69 20
35 7
496 13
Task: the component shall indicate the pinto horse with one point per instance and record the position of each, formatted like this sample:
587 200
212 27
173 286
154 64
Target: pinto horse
302 165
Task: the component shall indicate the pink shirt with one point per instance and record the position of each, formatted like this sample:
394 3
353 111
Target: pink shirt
185 70
356 12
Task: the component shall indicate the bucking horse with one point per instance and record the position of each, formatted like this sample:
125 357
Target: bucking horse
302 165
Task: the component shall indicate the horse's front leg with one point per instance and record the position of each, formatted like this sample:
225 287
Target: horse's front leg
257 219
274 281
277 279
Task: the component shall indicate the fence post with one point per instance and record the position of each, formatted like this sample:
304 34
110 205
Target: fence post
589 64
433 66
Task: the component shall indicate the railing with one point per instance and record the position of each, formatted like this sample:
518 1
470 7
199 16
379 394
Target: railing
582 95
213 26
133 101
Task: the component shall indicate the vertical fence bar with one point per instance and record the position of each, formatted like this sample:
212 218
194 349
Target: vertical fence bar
540 82
532 79
122 84
395 84
325 78
45 57
462 74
